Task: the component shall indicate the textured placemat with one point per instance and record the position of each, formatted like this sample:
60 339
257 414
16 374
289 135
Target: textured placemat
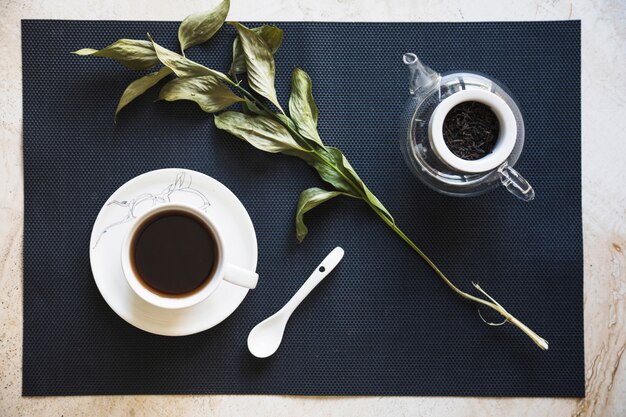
382 323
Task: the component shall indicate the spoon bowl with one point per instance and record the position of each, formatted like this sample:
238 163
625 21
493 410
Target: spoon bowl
265 338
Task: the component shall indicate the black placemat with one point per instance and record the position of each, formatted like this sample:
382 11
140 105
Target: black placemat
382 323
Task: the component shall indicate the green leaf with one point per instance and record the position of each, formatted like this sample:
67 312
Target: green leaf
334 168
259 131
259 63
330 167
182 66
369 196
308 200
140 86
207 91
199 27
302 107
134 54
272 36
376 203
286 120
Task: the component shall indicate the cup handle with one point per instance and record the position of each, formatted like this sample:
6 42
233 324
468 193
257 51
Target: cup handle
515 183
241 277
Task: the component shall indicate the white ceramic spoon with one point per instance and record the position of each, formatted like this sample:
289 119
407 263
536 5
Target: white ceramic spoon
266 336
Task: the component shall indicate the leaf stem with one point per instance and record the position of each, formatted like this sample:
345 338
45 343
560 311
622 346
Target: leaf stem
494 305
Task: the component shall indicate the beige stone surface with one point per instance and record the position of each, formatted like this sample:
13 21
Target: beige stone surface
604 208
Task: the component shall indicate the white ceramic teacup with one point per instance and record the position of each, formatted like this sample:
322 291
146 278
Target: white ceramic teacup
221 271
504 144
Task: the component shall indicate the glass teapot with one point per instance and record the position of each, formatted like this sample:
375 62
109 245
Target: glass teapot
433 95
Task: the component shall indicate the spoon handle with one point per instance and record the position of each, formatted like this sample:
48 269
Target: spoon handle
328 264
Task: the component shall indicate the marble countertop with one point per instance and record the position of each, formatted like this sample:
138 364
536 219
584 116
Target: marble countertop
604 208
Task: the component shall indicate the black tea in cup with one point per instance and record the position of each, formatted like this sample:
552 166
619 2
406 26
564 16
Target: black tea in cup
174 253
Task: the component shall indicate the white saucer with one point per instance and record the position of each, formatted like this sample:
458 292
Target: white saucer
116 217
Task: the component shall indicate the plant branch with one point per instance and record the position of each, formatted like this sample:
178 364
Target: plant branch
493 304
362 193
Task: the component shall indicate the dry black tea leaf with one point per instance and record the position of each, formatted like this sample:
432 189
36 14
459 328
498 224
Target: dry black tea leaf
470 130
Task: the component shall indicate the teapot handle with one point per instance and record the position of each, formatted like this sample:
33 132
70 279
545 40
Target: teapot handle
515 183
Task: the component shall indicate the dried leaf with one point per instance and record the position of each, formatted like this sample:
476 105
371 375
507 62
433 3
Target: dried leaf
207 91
286 120
259 63
140 86
369 196
334 168
310 199
302 107
134 54
182 66
331 169
199 27
261 132
272 36
376 202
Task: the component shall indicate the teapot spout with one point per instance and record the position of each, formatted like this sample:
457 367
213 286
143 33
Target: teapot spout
421 77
